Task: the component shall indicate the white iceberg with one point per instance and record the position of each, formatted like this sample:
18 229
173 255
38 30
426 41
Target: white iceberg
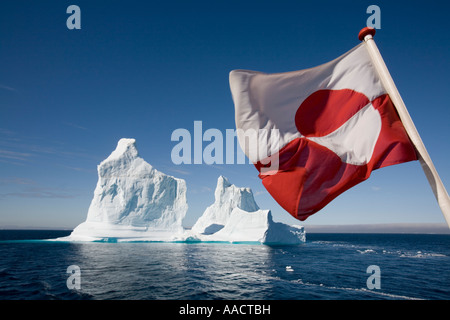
257 226
235 217
227 197
133 200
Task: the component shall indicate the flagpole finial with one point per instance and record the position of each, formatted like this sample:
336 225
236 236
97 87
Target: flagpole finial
366 31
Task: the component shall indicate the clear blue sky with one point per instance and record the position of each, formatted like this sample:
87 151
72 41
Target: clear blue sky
143 69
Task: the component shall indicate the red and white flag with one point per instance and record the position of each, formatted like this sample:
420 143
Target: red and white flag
334 124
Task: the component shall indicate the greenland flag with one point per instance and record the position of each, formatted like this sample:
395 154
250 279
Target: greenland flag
323 129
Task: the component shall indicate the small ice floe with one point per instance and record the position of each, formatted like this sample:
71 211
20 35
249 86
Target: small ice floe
289 269
366 251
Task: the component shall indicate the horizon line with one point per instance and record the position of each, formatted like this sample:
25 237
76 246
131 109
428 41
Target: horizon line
393 228
399 228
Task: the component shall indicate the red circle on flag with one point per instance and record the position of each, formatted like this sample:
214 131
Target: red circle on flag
324 111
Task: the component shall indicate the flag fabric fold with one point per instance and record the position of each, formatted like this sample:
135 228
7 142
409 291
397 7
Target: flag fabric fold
335 124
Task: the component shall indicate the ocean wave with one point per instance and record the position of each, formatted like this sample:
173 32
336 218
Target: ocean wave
366 251
357 290
417 254
380 250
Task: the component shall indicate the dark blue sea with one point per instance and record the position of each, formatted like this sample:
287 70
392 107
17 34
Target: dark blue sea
327 266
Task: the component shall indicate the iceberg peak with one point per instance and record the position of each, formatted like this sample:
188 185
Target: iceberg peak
223 182
125 148
227 197
133 200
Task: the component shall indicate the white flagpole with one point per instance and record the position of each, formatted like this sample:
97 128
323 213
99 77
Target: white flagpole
434 180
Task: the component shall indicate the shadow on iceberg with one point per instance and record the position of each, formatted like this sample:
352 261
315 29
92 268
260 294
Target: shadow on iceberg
213 228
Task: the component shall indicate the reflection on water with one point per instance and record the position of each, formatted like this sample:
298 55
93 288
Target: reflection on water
173 270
